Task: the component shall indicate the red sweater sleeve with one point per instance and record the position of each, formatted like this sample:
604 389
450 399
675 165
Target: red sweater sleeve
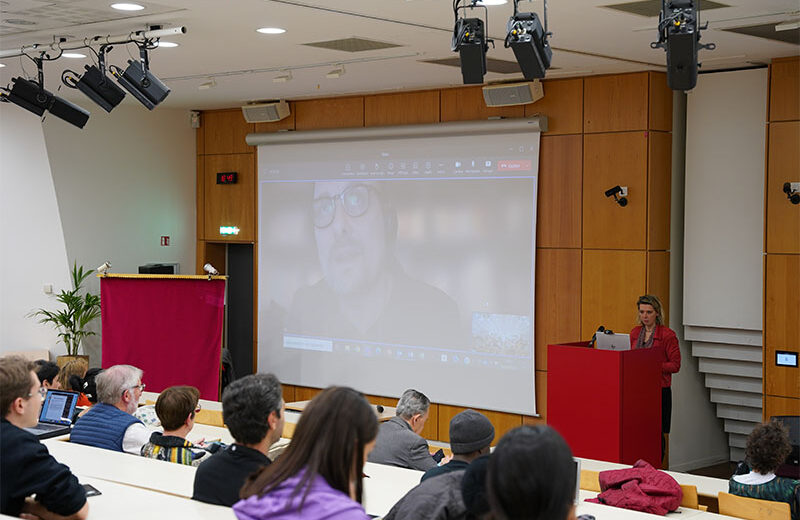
673 351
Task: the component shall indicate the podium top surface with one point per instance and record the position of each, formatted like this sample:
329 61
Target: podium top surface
163 276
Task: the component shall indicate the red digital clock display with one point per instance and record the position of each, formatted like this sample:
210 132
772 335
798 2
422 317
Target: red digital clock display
227 178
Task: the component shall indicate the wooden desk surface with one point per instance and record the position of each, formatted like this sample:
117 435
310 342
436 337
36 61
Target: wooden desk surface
388 411
706 486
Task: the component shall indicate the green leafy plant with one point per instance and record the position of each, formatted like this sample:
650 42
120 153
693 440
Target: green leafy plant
80 310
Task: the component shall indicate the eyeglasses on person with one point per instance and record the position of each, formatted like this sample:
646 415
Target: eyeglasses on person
354 201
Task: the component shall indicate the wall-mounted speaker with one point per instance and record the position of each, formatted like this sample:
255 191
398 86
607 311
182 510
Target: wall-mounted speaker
508 94
266 112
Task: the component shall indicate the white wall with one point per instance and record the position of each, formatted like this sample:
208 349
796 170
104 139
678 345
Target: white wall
697 438
120 183
32 249
725 138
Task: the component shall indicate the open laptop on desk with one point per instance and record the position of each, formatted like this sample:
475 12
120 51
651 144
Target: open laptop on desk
56 416
606 341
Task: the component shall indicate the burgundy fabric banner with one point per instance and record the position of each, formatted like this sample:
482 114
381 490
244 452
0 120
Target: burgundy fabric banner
169 327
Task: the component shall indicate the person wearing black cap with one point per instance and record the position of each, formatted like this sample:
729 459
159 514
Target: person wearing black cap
471 434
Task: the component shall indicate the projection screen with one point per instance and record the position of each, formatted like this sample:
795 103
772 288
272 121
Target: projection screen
401 257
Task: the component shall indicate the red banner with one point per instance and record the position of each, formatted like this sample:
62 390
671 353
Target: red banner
169 327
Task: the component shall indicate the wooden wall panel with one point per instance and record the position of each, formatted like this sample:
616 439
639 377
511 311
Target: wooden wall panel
659 189
502 422
541 400
558 221
611 283
213 253
317 114
288 393
558 300
658 278
781 318
780 406
402 109
615 103
660 105
784 97
562 104
200 141
610 160
224 132
230 204
467 104
283 124
783 217
200 197
305 393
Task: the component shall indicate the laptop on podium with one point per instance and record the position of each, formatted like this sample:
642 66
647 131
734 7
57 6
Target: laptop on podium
606 341
56 416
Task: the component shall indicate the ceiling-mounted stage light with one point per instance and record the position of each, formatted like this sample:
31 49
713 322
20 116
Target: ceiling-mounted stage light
32 97
469 40
528 39
95 84
679 33
141 83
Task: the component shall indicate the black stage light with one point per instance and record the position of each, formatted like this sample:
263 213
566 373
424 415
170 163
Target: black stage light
100 89
144 86
30 96
679 34
528 39
69 112
469 39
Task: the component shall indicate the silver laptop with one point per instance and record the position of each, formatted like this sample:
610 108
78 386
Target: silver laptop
613 341
56 416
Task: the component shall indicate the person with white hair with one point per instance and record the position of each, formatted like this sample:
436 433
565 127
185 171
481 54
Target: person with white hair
110 423
399 442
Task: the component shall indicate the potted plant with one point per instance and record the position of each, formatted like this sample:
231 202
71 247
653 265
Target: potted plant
80 308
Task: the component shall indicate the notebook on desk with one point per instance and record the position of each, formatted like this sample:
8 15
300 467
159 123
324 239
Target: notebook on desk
56 416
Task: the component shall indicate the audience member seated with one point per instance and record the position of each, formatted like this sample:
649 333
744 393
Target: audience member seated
253 411
72 374
26 467
532 475
320 475
110 423
471 434
473 489
176 407
47 371
399 443
767 448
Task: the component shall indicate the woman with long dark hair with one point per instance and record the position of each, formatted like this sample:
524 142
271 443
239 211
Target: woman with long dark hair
320 473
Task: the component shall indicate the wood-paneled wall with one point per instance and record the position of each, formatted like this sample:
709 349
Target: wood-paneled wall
593 257
782 239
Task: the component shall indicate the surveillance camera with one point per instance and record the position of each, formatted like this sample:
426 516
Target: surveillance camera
613 191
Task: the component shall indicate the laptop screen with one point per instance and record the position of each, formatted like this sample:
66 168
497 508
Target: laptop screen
58 407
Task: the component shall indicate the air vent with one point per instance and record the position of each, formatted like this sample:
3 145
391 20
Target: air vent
768 31
353 45
509 94
651 8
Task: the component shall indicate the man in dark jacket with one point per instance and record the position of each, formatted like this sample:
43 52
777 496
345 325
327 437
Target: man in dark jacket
26 467
471 433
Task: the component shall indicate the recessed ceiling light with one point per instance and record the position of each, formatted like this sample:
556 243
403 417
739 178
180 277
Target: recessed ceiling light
492 2
271 30
76 55
127 7
2 65
166 45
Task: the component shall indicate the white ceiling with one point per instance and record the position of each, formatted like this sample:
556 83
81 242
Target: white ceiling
221 42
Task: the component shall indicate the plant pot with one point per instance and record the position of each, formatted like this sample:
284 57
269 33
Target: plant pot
63 360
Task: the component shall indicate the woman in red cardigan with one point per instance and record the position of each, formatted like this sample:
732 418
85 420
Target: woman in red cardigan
652 333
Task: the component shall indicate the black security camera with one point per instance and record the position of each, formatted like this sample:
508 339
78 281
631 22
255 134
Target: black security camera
793 195
614 192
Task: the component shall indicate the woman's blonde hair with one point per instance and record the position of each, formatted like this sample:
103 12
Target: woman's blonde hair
76 367
653 301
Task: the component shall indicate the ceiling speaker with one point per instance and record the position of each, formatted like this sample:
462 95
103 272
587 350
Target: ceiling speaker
266 112
513 93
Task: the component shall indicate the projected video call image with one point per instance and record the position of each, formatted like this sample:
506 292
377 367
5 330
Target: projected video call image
384 269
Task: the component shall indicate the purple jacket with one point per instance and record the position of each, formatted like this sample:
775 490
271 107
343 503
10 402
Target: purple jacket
323 502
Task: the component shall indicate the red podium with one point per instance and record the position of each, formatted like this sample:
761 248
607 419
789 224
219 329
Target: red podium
606 404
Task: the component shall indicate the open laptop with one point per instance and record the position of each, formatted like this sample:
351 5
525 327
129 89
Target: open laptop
56 416
613 341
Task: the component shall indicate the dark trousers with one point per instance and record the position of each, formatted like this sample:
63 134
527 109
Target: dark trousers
666 414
